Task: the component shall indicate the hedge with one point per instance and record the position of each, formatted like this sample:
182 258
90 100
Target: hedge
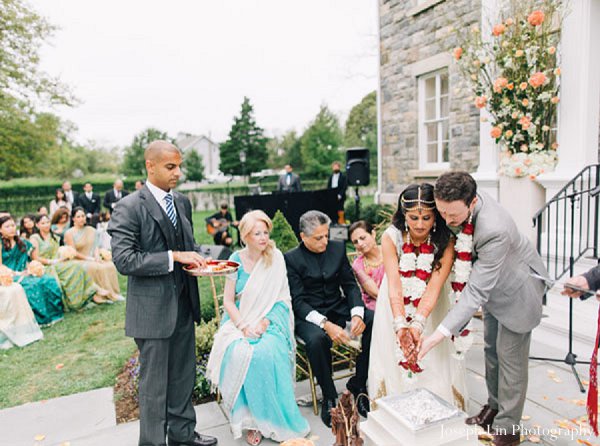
26 196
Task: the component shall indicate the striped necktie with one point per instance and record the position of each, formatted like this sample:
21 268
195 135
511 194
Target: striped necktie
171 209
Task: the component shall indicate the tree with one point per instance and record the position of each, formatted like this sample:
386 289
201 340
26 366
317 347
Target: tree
27 138
133 161
285 150
361 127
194 167
22 83
320 142
282 233
244 136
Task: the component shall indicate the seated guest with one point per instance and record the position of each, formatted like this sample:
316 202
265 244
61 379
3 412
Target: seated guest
42 290
102 235
17 322
251 360
59 201
27 226
98 263
77 285
218 226
42 210
318 270
368 266
112 197
61 221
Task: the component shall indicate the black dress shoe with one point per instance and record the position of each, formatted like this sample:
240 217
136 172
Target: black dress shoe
362 401
326 407
484 418
198 440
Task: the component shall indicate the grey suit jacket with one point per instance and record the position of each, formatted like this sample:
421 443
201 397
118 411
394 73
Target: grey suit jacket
294 186
141 236
593 278
500 281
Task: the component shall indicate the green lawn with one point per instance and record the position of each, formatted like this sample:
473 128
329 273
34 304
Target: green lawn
89 348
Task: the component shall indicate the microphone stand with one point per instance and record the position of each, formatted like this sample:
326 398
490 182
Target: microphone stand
571 358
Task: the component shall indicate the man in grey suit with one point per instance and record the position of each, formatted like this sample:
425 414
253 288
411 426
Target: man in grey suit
501 282
152 240
289 181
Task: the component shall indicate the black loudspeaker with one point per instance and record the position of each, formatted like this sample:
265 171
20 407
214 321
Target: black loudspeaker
357 166
215 252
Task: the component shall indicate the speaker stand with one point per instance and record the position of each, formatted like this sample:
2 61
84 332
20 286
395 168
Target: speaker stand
357 203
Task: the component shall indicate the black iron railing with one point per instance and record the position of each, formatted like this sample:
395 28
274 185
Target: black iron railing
567 226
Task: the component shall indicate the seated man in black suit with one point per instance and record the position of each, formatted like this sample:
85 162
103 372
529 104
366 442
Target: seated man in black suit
318 271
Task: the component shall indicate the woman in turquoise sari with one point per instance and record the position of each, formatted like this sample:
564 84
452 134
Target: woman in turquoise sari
43 292
253 355
77 285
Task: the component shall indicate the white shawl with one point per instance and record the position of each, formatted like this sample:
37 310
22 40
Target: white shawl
265 287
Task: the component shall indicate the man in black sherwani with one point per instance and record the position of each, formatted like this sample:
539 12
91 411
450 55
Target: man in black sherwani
325 296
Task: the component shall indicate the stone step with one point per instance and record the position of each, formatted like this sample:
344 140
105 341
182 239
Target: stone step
208 416
58 420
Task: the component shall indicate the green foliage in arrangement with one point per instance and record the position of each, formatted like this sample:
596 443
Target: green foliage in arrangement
282 233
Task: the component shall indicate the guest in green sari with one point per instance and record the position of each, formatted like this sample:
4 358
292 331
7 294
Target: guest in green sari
77 285
43 292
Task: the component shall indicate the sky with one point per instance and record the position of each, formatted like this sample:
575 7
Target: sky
185 65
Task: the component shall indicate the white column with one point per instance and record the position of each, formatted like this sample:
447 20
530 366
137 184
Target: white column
379 120
487 172
578 109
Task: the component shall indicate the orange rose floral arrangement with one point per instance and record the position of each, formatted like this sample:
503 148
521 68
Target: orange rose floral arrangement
513 71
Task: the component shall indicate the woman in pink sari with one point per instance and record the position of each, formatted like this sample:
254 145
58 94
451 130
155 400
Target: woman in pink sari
368 266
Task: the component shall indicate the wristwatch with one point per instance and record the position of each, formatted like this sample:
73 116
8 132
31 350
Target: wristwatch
322 323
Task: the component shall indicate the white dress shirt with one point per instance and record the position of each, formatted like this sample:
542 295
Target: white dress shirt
159 196
335 179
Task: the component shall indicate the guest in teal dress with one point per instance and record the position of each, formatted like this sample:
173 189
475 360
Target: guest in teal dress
43 292
253 356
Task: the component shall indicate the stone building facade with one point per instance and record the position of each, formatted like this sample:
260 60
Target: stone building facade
427 123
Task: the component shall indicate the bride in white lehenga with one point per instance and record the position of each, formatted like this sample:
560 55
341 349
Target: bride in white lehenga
423 250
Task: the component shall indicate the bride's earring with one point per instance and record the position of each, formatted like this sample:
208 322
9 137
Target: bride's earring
434 225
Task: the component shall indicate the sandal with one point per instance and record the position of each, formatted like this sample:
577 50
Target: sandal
253 437
99 300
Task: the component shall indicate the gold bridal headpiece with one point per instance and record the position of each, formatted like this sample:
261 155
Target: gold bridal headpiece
419 203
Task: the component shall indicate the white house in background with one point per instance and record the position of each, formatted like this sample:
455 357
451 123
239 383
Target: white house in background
416 70
204 146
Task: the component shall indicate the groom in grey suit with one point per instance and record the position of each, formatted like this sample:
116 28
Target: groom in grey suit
152 239
501 282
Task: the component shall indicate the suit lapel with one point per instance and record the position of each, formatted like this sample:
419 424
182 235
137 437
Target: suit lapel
186 227
154 209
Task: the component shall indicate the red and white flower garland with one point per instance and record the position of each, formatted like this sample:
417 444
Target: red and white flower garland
415 266
463 264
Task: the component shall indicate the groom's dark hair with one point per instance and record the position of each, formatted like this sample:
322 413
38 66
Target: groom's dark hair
454 186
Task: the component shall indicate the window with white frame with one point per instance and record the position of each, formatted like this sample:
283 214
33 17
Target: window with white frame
433 120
